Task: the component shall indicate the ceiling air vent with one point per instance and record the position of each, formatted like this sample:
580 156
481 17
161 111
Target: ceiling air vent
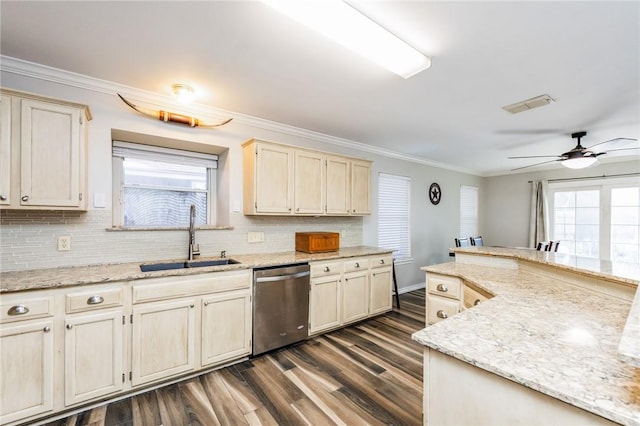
532 103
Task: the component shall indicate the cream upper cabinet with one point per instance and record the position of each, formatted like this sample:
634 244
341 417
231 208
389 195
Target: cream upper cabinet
27 356
338 178
360 187
226 326
48 153
268 179
5 149
309 182
282 180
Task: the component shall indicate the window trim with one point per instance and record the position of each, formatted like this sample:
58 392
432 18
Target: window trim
118 153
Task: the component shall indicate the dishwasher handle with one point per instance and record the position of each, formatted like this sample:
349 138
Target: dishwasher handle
282 277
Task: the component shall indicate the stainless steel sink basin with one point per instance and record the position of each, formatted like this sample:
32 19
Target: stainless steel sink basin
167 266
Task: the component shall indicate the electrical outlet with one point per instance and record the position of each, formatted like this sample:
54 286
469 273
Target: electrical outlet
64 243
343 233
255 237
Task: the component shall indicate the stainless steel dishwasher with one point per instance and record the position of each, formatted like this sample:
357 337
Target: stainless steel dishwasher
280 306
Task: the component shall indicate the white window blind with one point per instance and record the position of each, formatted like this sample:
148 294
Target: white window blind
393 215
468 211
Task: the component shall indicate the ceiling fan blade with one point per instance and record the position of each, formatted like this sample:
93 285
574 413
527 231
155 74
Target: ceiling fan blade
534 156
536 164
612 140
619 149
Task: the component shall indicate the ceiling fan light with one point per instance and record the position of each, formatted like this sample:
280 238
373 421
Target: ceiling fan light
579 162
184 93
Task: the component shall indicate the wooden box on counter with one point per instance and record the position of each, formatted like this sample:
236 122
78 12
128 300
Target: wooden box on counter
317 242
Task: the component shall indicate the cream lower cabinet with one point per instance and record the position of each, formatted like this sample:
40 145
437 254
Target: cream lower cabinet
346 291
93 361
27 360
444 297
226 327
163 340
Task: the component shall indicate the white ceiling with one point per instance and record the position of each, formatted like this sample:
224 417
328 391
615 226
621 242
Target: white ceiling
245 57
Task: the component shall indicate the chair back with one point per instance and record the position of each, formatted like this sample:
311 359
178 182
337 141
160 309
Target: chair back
476 241
542 246
553 246
462 242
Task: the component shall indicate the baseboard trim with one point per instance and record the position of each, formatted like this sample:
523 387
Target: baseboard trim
409 288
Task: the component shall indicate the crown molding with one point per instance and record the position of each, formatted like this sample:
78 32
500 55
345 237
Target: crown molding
58 76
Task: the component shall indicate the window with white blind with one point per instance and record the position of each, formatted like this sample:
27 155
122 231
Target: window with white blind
155 187
393 215
597 218
468 211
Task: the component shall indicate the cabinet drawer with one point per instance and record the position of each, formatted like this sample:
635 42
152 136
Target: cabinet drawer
96 298
439 308
355 265
446 286
381 261
185 286
22 308
322 269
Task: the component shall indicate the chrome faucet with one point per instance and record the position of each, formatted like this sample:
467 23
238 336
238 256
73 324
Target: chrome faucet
194 249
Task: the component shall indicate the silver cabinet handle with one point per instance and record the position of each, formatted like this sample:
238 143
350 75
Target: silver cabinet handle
206 303
442 314
46 329
25 198
357 265
326 269
95 300
3 197
443 288
18 310
191 305
477 302
69 326
382 261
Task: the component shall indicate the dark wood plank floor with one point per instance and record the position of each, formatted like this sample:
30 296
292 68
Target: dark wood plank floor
368 373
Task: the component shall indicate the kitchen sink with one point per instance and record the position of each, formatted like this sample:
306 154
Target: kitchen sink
167 266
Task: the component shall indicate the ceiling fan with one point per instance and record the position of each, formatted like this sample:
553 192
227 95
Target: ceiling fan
579 157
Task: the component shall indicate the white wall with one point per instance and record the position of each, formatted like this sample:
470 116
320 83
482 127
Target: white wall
507 198
28 240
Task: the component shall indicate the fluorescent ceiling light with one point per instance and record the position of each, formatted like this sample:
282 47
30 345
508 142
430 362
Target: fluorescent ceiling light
345 25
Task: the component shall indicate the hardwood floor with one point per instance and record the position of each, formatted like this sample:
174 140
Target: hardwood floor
368 373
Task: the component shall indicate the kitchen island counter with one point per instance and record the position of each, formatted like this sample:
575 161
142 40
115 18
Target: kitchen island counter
545 333
103 273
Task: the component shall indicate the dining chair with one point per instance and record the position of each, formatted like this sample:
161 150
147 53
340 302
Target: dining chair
462 242
476 241
542 246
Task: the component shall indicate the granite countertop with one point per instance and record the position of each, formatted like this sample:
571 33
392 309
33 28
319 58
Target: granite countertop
37 279
552 337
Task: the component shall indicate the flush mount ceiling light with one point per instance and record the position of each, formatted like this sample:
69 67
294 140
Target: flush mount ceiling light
345 25
532 103
184 92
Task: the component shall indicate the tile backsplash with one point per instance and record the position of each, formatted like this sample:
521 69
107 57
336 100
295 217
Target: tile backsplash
29 239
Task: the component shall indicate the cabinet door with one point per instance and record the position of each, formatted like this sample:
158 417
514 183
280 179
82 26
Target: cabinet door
274 179
355 296
93 355
163 340
5 150
381 282
360 187
337 186
226 327
309 182
26 359
324 303
50 153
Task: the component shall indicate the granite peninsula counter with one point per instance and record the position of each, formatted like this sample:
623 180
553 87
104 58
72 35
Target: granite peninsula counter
549 328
